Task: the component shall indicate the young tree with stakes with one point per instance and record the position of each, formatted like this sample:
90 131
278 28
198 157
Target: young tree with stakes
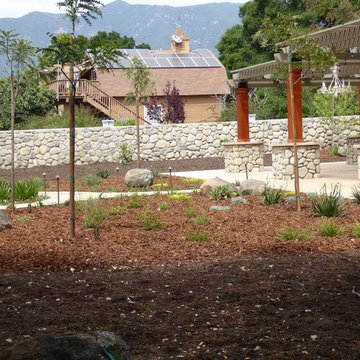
75 10
18 54
140 78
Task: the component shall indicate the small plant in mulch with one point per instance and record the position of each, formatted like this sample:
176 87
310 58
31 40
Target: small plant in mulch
356 230
163 205
118 210
221 192
329 228
355 192
272 196
292 199
294 234
27 189
126 154
151 220
312 195
154 172
24 218
195 236
191 211
94 215
92 180
219 208
202 219
180 197
113 189
238 200
329 205
103 173
95 188
160 186
134 203
5 190
192 181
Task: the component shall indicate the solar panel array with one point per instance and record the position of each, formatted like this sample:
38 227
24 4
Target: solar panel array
202 58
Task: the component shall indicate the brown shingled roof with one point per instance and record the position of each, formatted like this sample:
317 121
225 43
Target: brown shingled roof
189 81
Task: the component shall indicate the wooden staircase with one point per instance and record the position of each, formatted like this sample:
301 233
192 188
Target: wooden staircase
99 99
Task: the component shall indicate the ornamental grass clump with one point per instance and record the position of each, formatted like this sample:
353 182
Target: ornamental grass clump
272 196
5 190
356 230
103 173
92 180
221 192
194 236
329 205
294 234
329 228
151 220
191 211
27 189
163 205
94 215
134 203
355 192
201 219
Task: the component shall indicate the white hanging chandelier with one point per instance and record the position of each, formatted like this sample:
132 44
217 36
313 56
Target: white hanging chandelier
336 86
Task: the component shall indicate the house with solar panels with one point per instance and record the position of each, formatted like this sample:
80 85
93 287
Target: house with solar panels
198 75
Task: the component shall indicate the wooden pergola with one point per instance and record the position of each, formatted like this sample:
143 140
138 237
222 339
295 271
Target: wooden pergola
343 40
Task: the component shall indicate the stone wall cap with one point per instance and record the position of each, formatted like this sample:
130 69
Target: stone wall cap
357 146
354 137
243 143
299 144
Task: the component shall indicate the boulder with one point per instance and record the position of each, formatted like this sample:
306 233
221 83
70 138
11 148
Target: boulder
4 221
139 178
211 184
104 346
252 187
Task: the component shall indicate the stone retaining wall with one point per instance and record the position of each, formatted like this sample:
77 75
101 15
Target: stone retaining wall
181 141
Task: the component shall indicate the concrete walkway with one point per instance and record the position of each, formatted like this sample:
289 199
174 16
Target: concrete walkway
331 173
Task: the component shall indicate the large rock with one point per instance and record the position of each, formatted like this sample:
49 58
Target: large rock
252 187
211 184
139 178
48 347
4 221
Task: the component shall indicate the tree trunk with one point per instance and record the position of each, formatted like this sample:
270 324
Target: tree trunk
13 109
72 144
138 134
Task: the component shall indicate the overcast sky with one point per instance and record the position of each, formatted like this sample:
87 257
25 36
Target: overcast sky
16 8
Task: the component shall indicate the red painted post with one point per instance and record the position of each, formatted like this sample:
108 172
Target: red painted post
297 106
242 95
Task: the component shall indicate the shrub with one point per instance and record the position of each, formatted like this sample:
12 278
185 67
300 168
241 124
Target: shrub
160 186
5 190
118 210
163 205
194 236
355 192
134 203
180 197
329 205
26 190
151 220
192 181
356 230
328 228
80 205
103 173
94 213
221 192
130 122
154 172
293 234
91 180
272 196
238 201
126 154
201 219
191 211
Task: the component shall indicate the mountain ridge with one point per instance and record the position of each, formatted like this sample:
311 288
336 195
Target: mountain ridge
153 24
